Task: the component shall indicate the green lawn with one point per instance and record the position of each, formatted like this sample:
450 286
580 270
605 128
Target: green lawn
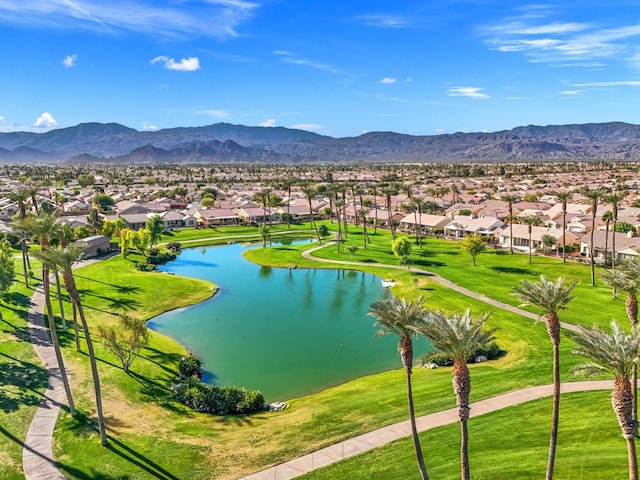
504 445
154 437
495 275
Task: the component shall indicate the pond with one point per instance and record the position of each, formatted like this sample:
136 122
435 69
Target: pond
286 332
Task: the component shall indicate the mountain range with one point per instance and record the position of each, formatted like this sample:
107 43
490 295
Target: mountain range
224 142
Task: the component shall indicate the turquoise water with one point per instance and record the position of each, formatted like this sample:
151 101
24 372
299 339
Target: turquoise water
284 332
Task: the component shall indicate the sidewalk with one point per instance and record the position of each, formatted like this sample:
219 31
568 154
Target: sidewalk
382 436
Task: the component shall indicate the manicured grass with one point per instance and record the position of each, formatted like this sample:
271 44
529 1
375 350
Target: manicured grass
22 378
236 231
153 436
504 445
497 272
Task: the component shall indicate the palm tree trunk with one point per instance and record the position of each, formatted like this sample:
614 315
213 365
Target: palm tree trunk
631 305
621 403
511 228
553 438
462 388
23 246
414 429
593 264
564 232
75 326
70 284
56 344
60 305
530 245
606 243
613 238
406 354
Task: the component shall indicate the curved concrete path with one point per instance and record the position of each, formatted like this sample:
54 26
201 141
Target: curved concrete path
37 451
443 281
382 436
37 454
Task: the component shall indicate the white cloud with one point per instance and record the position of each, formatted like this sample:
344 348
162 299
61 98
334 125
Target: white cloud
312 127
294 59
212 18
388 80
190 64
149 127
621 83
214 113
572 93
385 21
268 123
70 60
45 120
542 40
471 92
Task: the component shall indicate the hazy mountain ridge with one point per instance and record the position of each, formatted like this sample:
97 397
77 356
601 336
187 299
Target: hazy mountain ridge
224 142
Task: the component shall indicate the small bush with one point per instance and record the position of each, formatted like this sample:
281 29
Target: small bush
491 350
174 246
145 267
190 366
204 398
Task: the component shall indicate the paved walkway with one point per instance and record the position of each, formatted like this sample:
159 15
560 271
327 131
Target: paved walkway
443 281
37 452
37 455
382 436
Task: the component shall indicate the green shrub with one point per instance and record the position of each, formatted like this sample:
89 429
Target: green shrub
190 366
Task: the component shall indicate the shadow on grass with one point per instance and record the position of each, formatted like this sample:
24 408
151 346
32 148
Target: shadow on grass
157 392
161 358
516 270
18 299
132 456
27 379
21 333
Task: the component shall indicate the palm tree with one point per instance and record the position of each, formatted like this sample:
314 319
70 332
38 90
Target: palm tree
614 200
614 353
593 194
510 199
551 298
46 229
310 192
287 183
564 197
21 197
388 192
530 221
458 337
607 218
63 259
398 317
374 192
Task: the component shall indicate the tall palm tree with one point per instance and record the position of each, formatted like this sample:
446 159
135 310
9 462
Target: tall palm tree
398 317
458 337
63 259
614 200
45 228
389 191
310 192
375 188
594 195
564 197
607 218
614 353
510 199
287 183
530 221
21 197
551 297
626 278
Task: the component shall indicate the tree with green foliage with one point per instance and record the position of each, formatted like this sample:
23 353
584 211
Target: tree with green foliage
323 232
401 248
207 202
624 227
103 202
85 180
142 241
510 199
551 297
593 195
615 353
530 221
7 267
474 245
398 317
95 221
265 234
125 339
352 250
614 200
458 337
548 242
21 197
45 228
155 226
564 198
126 240
63 260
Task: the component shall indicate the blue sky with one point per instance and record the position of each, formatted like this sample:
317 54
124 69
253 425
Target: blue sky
338 68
